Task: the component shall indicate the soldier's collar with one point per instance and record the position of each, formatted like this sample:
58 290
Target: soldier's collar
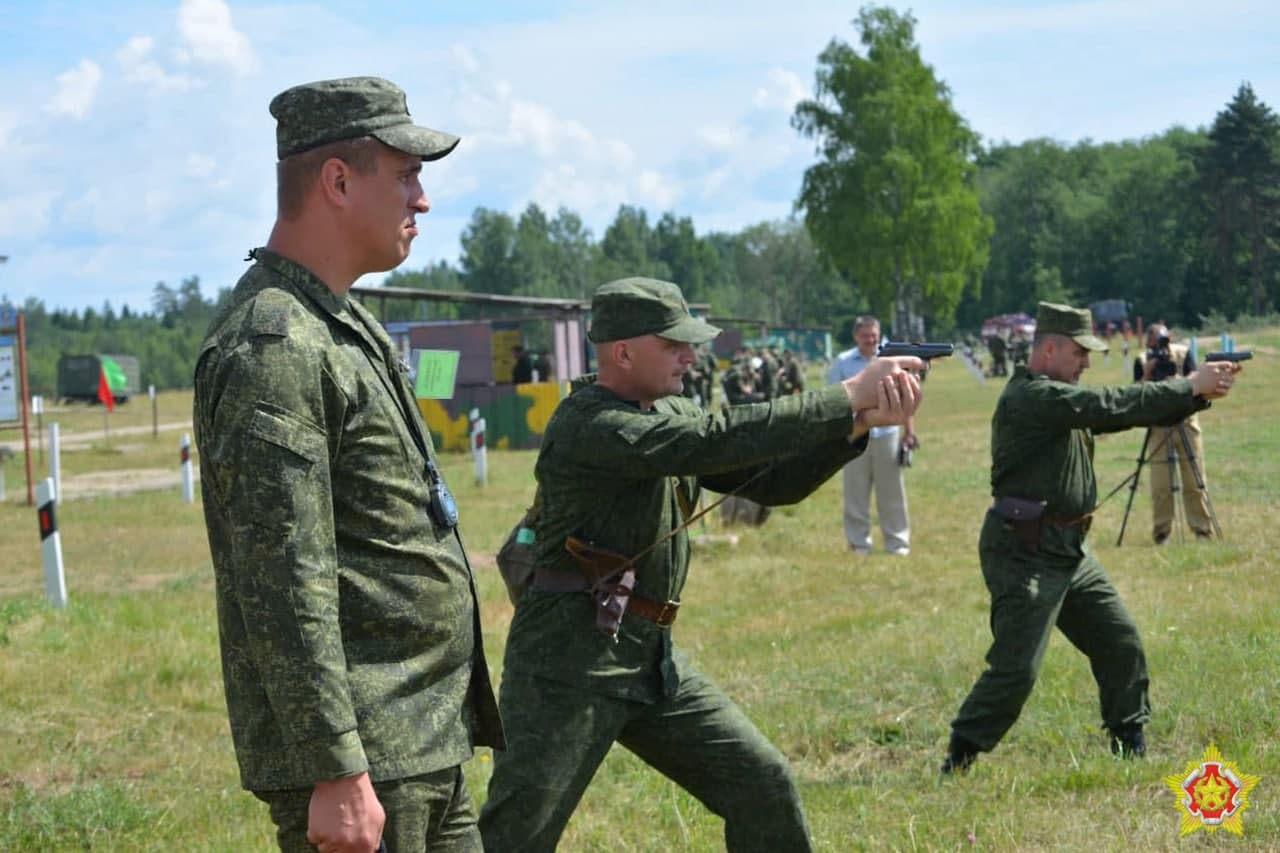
302 278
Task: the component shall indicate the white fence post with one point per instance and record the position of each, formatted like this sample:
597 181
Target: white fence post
55 461
188 487
478 450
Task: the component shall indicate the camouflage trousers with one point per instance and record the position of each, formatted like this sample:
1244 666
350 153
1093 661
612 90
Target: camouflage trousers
557 735
1029 596
431 812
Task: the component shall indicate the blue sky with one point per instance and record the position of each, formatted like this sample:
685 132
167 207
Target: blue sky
138 148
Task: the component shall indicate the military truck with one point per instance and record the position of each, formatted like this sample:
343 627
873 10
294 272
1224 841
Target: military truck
78 377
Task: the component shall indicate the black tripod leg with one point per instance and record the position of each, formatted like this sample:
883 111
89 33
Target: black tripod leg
1200 481
1175 486
1133 487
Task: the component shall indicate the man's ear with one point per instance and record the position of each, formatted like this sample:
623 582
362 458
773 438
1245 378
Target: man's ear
334 174
621 353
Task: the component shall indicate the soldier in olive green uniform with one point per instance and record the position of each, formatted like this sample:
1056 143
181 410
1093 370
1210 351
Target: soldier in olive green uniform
1037 565
352 661
621 464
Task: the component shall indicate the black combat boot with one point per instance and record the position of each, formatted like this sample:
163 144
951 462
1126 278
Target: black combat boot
960 756
1127 741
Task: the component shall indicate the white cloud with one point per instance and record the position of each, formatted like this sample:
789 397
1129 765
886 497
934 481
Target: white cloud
465 58
200 165
209 35
783 91
499 120
25 216
8 121
656 190
550 136
138 67
713 181
592 195
76 90
721 137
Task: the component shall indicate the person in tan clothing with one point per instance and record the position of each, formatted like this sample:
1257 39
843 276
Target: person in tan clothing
1164 360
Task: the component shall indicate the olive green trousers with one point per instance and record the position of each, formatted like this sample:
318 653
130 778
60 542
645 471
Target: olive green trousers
557 735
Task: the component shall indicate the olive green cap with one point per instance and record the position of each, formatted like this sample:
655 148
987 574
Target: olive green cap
326 111
1075 323
631 307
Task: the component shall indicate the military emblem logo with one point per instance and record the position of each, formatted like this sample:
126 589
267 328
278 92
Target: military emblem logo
1212 794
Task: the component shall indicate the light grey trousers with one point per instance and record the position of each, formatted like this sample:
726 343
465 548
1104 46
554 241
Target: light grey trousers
876 469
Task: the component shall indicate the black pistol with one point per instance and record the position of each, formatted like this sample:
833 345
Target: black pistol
1235 357
925 352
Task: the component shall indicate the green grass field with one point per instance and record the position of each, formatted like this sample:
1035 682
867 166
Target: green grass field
113 733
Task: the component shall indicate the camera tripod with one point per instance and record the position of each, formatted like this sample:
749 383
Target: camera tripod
1171 459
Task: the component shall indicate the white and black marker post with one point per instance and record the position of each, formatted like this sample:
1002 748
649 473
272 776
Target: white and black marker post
55 461
155 412
478 450
188 489
55 581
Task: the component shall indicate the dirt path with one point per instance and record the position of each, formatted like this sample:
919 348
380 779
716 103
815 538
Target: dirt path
104 483
81 440
114 482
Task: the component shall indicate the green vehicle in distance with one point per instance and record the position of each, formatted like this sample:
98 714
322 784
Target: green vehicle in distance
79 375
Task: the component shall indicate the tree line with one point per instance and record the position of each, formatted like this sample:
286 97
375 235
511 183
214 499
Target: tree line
905 213
165 338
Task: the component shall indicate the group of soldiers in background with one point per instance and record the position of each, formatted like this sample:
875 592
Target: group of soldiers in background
1017 347
760 373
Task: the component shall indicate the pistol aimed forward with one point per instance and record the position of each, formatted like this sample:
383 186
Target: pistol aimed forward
924 352
1234 357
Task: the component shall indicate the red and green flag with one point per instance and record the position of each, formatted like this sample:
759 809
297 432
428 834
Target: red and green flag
111 381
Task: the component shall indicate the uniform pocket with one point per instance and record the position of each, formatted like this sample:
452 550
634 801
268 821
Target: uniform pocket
289 431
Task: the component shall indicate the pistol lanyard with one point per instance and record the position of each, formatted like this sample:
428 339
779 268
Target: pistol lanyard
690 519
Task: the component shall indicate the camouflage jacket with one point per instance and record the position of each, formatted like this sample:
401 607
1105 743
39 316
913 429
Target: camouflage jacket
609 472
348 619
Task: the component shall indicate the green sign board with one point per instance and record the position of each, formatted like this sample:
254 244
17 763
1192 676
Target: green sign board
437 372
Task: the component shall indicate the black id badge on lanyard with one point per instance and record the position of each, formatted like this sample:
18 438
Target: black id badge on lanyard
444 511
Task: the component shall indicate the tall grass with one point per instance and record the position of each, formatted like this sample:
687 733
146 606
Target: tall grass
113 733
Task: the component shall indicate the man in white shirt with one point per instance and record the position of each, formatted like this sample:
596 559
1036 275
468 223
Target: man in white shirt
879 466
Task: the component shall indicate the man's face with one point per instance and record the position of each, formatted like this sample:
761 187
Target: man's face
658 366
384 205
868 339
1067 360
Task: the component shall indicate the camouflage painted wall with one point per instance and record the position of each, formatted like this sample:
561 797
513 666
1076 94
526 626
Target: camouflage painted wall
515 415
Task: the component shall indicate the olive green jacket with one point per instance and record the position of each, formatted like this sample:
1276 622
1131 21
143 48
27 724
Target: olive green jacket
609 472
1042 437
348 618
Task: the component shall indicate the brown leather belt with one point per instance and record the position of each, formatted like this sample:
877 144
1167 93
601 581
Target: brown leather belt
660 613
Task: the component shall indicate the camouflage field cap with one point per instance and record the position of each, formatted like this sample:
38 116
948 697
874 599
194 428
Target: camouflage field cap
316 114
1075 323
631 307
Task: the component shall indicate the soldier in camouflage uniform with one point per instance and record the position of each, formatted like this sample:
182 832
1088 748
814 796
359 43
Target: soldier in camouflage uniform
621 464
1036 562
352 661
